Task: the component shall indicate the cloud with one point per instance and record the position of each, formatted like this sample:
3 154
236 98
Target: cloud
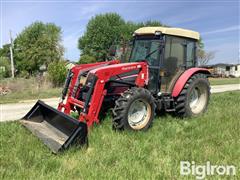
232 28
86 11
181 19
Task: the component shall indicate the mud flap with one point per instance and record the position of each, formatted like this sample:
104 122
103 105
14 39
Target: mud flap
56 129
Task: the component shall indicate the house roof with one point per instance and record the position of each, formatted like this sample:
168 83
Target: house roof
220 64
169 31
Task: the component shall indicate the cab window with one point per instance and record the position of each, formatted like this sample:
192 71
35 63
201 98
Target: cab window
174 50
190 54
146 49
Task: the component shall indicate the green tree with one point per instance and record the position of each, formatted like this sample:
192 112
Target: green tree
128 29
86 59
5 67
5 51
57 72
36 45
105 30
150 23
200 44
102 31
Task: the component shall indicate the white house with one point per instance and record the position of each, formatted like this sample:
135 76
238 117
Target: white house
235 70
221 70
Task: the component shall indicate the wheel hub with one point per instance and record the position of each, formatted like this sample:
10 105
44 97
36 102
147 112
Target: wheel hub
198 99
138 114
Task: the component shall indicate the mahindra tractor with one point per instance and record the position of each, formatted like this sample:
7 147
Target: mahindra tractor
160 75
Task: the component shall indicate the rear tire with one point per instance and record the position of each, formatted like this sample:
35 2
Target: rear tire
194 97
134 110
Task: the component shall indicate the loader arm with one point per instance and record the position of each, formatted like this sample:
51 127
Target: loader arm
98 77
72 84
98 92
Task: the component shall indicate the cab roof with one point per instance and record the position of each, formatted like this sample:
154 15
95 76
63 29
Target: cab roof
168 30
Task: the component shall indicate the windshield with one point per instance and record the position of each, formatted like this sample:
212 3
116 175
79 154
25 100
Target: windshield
146 49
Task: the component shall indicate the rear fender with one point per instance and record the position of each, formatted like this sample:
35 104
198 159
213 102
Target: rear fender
180 83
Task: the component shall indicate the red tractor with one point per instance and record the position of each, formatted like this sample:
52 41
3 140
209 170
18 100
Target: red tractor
160 74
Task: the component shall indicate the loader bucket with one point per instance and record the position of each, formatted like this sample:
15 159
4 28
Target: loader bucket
57 130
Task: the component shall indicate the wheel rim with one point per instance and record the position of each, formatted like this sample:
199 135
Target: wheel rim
139 114
198 99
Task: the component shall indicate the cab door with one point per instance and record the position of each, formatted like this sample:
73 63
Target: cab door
147 48
178 56
154 66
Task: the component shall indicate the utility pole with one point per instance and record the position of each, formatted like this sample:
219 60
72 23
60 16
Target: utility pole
11 53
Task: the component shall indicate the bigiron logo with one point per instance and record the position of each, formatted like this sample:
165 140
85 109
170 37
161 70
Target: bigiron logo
201 171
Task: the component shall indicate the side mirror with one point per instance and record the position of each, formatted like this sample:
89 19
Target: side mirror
112 50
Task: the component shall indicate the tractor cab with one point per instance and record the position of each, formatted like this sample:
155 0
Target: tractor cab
168 51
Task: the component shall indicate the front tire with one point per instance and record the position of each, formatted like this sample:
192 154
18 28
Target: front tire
194 97
134 110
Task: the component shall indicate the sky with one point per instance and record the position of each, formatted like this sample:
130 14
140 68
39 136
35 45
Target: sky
216 21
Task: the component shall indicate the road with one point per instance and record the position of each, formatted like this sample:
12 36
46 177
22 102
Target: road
224 88
15 111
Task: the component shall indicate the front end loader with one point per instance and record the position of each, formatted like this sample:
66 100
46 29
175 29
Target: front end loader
161 74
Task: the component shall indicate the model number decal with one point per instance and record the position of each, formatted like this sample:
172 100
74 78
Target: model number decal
130 67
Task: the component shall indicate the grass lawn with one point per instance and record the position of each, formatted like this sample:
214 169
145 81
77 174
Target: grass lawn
25 89
15 97
155 154
222 81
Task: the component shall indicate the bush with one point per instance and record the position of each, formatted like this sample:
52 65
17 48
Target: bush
86 59
24 74
57 72
5 67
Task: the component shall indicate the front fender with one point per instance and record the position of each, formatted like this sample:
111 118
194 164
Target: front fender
180 83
